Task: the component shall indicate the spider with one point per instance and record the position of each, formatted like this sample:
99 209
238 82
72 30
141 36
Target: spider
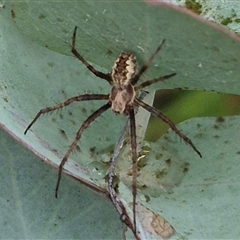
122 99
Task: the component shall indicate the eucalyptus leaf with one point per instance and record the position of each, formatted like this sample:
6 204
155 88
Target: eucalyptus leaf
38 71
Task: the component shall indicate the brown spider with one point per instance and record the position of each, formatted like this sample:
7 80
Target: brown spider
122 99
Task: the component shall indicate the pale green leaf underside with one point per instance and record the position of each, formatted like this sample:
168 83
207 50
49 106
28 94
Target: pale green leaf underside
35 77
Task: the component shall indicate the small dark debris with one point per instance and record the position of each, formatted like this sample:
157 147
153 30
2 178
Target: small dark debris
185 167
220 119
63 133
42 16
84 110
78 149
147 198
109 52
92 149
168 162
13 14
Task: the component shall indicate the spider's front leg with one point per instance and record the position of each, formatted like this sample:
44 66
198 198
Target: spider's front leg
84 126
104 76
85 97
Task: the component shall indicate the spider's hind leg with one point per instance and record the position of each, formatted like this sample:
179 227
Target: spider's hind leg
165 119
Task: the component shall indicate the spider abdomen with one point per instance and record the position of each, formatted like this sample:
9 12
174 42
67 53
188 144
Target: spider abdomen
124 69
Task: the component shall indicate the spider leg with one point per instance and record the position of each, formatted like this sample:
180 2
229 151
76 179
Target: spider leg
85 125
134 162
146 65
150 82
90 67
164 118
66 103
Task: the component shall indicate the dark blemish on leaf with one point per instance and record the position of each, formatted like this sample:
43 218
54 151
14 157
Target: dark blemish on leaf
78 149
238 152
61 116
13 14
144 186
42 16
226 142
158 156
220 119
70 113
160 173
199 135
185 167
216 126
63 133
64 93
50 64
92 149
166 137
60 19
107 139
199 125
5 99
109 52
178 88
216 136
54 120
147 198
168 162
84 110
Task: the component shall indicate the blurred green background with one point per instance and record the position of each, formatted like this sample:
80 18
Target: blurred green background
180 105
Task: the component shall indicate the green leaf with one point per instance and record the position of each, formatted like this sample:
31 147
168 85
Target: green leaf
29 209
38 71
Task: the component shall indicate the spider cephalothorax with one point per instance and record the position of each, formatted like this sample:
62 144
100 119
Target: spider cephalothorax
122 99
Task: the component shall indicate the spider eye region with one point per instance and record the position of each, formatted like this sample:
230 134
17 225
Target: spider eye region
122 98
124 69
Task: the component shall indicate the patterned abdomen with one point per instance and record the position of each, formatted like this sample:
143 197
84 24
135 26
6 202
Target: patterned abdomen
124 69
